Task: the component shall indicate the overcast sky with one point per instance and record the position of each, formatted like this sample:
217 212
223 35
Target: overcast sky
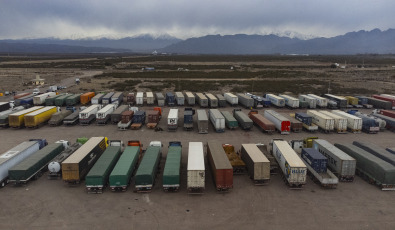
190 18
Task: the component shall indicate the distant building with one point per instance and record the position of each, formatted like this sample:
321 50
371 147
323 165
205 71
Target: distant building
38 80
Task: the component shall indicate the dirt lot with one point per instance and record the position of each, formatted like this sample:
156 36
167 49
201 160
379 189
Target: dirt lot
45 204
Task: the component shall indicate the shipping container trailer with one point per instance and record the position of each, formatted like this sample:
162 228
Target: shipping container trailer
217 120
138 119
130 99
117 98
87 115
54 167
35 164
160 99
321 102
290 101
244 121
351 100
150 98
312 104
340 122
245 101
86 98
180 99
238 165
17 120
107 98
354 123
188 118
292 167
26 100
97 178
153 117
221 100
4 116
314 162
264 124
388 95
390 122
231 99
369 124
147 170
202 122
19 95
303 104
386 98
117 114
296 125
304 118
72 119
73 99
14 156
172 170
340 101
258 166
40 99
39 117
78 164
362 100
60 101
380 122
170 99
121 175
104 114
275 100
230 121
196 174
379 104
221 168
391 150
202 100
126 120
50 101
324 122
339 162
281 123
376 150
273 162
190 98
371 168
387 113
139 98
97 99
212 100
172 120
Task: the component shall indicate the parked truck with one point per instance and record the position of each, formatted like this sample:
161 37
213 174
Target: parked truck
73 99
107 98
172 120
61 100
116 115
354 123
340 101
221 100
292 167
86 98
340 123
87 115
245 101
121 175
369 124
147 170
273 162
376 150
17 120
97 177
104 114
307 121
138 120
290 101
40 99
154 117
275 100
230 121
196 172
188 118
50 101
389 121
339 162
35 164
180 99
324 122
14 156
190 98
238 165
390 99
217 120
4 116
231 99
71 119
321 102
160 99
244 121
54 167
282 124
221 168
212 100
311 102
57 118
202 122
258 166
117 98
126 120
261 122
78 164
97 99
170 99
130 99
39 117
202 100
172 170
379 103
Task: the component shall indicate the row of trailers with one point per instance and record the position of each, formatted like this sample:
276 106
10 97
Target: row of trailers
104 163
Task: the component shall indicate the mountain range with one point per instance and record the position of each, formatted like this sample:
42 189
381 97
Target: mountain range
361 42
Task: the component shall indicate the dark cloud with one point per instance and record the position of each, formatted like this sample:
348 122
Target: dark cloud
89 18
